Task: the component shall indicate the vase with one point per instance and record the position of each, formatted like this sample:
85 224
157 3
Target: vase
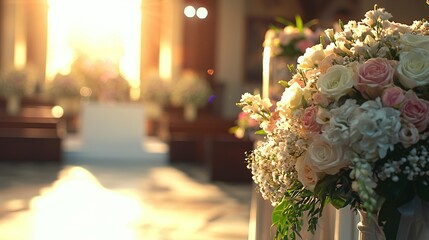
13 104
368 226
190 112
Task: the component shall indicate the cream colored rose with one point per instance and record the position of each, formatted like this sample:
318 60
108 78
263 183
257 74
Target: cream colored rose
336 82
325 157
409 134
306 174
413 68
311 57
411 41
293 96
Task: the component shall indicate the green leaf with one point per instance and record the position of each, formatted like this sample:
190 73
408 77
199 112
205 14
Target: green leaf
284 83
299 23
277 214
232 130
322 41
260 132
338 201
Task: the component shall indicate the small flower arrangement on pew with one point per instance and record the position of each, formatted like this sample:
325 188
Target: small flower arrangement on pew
351 128
17 82
291 40
65 86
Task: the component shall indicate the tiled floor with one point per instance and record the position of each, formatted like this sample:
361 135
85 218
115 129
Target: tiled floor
127 201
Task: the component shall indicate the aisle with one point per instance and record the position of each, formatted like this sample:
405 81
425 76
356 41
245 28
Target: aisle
112 201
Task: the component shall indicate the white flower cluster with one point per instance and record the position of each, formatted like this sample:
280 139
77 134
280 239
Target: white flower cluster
348 105
413 166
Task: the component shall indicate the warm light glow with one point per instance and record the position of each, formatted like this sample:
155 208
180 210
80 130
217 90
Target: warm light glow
107 30
85 92
77 206
20 57
189 11
266 72
202 12
135 94
57 111
165 58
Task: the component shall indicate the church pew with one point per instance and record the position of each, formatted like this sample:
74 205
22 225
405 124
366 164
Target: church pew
208 143
31 135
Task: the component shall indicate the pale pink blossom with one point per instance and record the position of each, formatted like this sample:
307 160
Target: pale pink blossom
373 76
392 96
308 119
416 111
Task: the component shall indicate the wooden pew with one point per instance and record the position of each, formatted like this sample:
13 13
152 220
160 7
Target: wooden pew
207 142
33 135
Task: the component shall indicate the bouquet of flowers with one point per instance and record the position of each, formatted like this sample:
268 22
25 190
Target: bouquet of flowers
351 128
285 45
102 79
191 89
65 85
293 39
155 90
17 82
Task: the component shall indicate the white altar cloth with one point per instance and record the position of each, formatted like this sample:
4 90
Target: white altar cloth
113 131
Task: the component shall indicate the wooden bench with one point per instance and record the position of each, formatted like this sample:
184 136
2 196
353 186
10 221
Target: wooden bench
225 158
33 135
207 142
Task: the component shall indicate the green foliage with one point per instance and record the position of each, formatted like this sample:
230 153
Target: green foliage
288 216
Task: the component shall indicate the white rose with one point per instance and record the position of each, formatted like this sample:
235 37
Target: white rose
411 41
311 57
413 68
325 157
292 96
336 82
306 174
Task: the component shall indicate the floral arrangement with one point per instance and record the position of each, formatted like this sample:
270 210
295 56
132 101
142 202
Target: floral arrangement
17 82
155 90
190 89
65 86
112 87
286 44
246 127
293 39
351 128
102 79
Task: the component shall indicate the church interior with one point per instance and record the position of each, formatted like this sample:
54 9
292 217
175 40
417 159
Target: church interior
118 121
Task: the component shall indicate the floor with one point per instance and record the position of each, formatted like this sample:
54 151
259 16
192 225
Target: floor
126 200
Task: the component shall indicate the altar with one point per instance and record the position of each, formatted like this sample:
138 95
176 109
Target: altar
113 131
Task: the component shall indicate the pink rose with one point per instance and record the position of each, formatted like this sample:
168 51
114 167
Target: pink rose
373 76
308 119
392 96
415 111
